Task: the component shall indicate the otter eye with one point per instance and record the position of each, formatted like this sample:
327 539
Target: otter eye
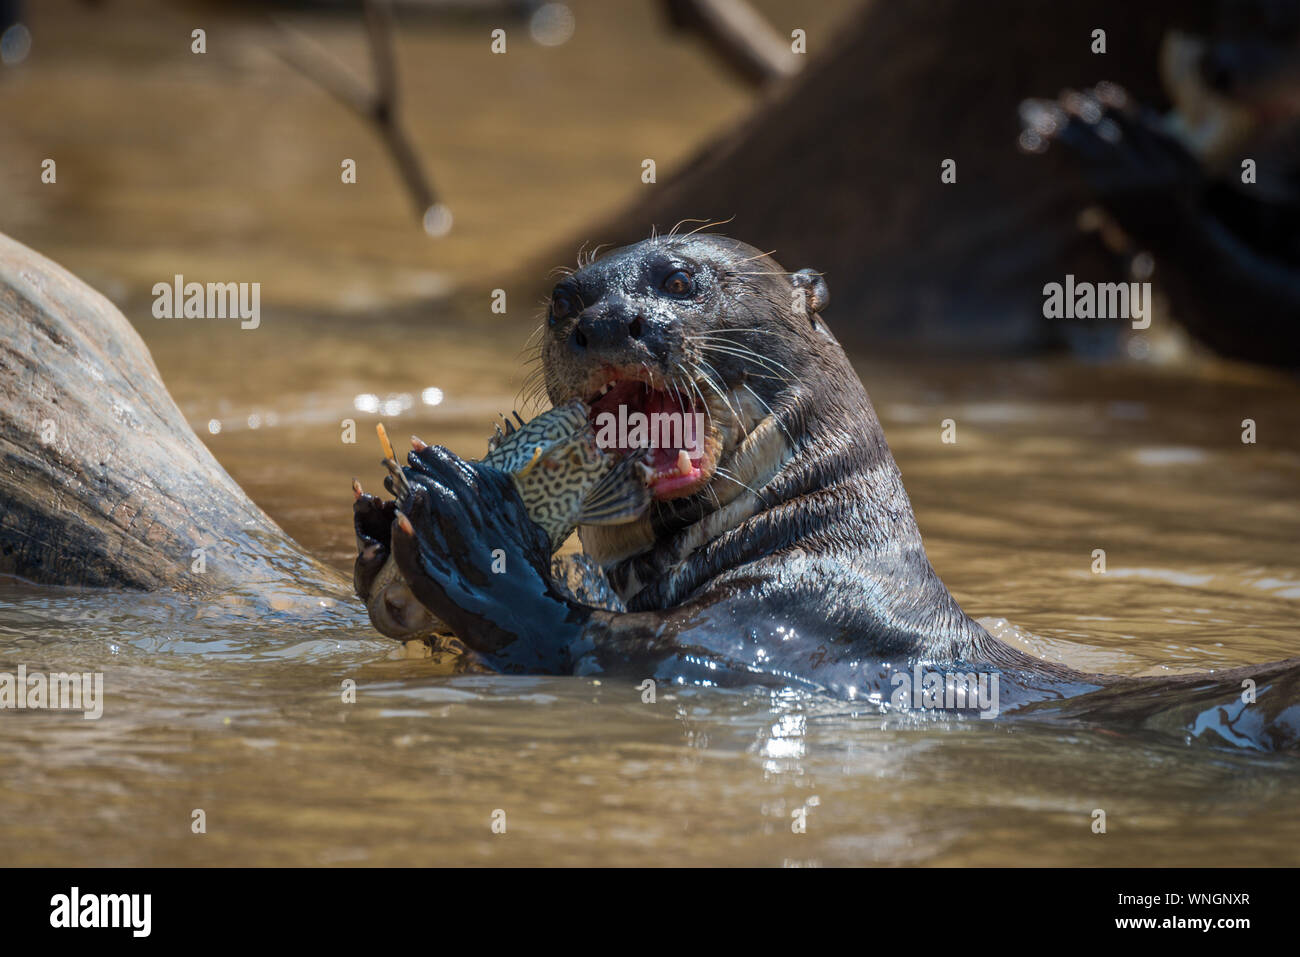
678 283
561 305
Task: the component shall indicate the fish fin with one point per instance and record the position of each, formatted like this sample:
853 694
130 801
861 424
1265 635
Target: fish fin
620 497
500 434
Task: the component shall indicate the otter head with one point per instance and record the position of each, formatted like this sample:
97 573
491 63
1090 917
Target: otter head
699 329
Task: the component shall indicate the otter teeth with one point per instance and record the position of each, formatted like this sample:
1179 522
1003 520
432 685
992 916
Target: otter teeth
683 463
604 389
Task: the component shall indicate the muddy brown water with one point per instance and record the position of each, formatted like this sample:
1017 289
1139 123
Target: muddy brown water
244 718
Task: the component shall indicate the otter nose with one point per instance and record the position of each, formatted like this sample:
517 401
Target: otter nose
606 331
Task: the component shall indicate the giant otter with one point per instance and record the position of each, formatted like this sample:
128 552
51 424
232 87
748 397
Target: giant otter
784 553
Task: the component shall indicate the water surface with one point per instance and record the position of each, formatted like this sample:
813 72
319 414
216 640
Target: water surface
245 719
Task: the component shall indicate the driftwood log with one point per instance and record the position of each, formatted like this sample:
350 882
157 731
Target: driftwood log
102 481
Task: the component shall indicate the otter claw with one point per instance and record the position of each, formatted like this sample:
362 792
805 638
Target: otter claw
399 486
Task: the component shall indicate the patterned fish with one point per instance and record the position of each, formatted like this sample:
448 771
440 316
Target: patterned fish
563 478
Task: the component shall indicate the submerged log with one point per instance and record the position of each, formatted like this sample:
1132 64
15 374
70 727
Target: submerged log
102 481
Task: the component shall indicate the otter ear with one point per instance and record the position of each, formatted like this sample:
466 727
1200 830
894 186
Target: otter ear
811 289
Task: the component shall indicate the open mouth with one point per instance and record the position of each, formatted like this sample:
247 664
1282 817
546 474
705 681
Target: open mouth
629 412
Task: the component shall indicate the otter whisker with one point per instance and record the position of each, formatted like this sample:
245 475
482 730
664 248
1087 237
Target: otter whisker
690 375
708 380
532 385
728 341
678 225
713 378
763 361
673 384
769 375
740 262
775 418
700 364
731 477
533 389
700 393
586 257
693 375
707 224
736 347
534 341
723 334
718 222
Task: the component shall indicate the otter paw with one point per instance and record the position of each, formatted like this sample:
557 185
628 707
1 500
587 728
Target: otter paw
465 544
372 521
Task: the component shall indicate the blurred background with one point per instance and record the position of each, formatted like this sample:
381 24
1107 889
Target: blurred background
493 138
229 162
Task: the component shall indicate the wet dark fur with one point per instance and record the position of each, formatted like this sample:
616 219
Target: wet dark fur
822 583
